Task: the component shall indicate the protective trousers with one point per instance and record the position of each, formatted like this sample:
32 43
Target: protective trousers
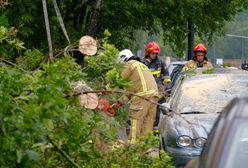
142 115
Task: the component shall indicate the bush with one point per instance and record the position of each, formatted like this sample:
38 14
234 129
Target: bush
31 59
10 46
43 125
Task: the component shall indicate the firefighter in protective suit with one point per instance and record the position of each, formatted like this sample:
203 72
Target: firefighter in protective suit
160 73
141 111
199 59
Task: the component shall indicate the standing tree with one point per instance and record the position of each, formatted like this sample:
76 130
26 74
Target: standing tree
122 18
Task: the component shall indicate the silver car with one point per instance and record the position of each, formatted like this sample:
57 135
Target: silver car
189 114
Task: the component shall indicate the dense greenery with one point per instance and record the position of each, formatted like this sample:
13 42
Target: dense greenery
43 125
122 17
9 44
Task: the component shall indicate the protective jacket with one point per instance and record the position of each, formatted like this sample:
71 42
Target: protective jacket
143 82
141 112
157 67
195 64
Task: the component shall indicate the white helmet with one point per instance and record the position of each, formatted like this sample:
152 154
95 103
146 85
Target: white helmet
125 54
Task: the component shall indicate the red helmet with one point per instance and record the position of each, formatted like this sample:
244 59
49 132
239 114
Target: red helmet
152 47
200 48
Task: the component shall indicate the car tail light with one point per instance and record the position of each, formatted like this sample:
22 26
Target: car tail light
184 141
199 142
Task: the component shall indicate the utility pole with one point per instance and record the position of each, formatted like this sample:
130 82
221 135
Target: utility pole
190 39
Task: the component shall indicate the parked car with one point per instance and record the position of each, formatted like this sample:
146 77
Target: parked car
175 64
189 114
174 70
227 145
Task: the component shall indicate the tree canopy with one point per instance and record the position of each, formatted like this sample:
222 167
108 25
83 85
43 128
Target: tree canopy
122 18
41 121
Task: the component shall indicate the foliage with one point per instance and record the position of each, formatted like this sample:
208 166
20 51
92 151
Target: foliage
189 71
41 125
31 59
27 16
123 18
226 65
104 61
115 80
134 156
4 21
208 71
32 109
9 44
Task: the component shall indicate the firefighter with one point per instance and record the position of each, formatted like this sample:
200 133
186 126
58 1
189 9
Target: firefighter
199 59
141 111
159 71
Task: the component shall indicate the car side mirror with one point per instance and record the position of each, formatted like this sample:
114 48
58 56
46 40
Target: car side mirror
165 108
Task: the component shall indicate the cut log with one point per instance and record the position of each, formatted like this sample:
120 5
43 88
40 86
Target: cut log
87 100
87 45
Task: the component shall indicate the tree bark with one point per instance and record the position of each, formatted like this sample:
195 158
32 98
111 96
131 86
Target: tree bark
49 39
93 19
190 39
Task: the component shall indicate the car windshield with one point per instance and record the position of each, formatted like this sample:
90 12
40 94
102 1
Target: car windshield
209 93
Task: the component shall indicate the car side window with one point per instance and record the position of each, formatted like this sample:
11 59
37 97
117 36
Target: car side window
237 147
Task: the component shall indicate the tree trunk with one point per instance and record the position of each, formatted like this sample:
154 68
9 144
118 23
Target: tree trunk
93 19
190 39
49 39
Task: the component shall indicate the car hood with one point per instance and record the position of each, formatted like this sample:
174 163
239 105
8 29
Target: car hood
193 125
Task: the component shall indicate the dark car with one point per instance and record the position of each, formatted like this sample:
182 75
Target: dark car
227 145
189 114
174 69
174 65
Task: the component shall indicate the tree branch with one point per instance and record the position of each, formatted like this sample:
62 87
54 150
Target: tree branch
113 91
12 64
62 152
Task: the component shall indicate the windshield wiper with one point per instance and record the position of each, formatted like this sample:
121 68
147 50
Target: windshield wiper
193 112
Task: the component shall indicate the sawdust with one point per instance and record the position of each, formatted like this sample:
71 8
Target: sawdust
211 94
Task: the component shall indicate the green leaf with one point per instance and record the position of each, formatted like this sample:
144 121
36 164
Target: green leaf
33 155
19 155
48 123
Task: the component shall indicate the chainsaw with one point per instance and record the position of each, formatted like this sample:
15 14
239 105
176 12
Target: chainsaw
105 107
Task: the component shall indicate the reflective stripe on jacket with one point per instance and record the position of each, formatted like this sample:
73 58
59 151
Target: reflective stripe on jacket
158 69
143 82
194 64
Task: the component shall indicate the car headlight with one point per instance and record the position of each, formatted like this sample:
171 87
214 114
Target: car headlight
199 142
184 141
